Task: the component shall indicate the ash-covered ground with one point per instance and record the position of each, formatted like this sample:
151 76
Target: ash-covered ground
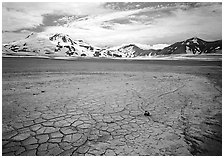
97 107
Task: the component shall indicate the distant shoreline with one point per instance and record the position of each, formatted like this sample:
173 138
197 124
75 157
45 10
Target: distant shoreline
189 57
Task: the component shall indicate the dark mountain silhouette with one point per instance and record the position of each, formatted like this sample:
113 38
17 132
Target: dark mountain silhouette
192 46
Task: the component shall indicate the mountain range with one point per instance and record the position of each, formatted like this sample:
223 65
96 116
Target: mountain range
62 45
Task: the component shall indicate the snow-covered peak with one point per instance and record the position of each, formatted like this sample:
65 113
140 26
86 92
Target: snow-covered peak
193 45
61 38
195 40
142 46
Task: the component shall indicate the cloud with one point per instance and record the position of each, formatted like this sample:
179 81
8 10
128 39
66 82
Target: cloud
103 26
204 21
16 19
12 36
27 15
97 20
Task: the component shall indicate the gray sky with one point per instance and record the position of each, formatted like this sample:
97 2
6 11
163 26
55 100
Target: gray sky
112 24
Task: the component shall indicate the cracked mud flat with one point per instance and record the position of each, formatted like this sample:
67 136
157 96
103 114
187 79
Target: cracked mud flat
50 112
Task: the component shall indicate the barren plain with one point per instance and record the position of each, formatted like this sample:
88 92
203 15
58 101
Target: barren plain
97 106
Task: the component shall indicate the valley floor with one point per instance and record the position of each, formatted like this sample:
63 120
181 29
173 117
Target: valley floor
200 57
55 107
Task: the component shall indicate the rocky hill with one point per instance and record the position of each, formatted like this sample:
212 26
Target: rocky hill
192 46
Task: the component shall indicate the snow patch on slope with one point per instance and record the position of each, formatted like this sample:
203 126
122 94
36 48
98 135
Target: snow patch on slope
142 46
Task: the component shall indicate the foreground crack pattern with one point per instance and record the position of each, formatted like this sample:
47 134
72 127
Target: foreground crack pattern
107 117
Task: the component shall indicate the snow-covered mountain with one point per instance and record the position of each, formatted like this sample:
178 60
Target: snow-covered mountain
55 45
128 51
62 45
192 46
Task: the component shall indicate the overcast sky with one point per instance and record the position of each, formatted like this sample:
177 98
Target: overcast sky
112 24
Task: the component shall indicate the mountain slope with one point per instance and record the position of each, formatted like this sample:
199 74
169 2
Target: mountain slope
128 51
192 46
58 45
62 45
